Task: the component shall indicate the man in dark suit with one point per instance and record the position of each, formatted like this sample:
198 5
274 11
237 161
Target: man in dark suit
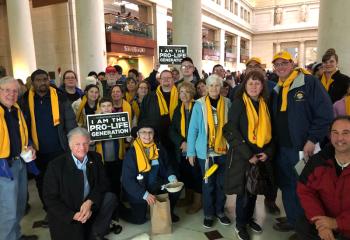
76 192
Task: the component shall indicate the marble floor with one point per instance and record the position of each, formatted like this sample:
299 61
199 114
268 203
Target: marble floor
188 228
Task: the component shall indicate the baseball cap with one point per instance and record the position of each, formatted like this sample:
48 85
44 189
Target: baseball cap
283 55
256 59
110 69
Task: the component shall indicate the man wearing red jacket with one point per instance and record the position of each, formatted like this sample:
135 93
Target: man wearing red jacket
324 187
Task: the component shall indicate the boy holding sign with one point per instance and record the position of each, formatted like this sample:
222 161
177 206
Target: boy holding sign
112 152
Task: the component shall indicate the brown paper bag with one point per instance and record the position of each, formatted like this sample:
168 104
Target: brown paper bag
160 215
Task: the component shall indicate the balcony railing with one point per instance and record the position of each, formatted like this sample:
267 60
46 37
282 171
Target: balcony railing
128 26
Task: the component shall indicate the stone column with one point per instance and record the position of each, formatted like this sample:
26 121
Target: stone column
238 50
278 47
301 54
91 37
21 38
334 22
222 47
187 28
161 26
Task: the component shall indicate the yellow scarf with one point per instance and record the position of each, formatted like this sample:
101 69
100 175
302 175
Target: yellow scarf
121 150
4 134
129 97
347 105
183 119
259 126
174 97
80 117
143 159
216 140
55 113
136 109
327 82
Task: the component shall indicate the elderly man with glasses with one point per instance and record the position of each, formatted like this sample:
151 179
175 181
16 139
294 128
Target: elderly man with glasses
301 114
13 169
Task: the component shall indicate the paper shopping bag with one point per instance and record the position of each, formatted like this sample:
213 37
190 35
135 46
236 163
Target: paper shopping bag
160 215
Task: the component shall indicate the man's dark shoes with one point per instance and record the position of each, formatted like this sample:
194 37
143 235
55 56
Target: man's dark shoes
208 223
281 219
28 237
255 227
271 207
242 233
293 237
174 218
224 220
283 227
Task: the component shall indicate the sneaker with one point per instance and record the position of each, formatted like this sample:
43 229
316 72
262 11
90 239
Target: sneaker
224 220
293 237
208 223
28 237
255 227
242 233
283 227
281 219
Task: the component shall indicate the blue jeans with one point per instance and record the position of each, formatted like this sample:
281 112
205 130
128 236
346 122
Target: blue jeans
13 198
213 194
287 181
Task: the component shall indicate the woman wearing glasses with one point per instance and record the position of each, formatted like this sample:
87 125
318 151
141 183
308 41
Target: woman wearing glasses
145 170
248 133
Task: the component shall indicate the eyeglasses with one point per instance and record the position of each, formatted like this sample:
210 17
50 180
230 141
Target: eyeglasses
282 64
9 91
187 66
146 133
70 78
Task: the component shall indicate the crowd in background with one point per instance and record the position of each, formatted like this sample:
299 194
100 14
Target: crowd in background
223 133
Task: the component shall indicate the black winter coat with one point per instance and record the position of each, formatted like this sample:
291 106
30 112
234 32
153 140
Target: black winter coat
339 87
175 131
63 193
241 150
67 117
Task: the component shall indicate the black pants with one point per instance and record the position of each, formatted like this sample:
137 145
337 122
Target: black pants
97 225
136 214
245 205
42 160
191 175
113 173
307 231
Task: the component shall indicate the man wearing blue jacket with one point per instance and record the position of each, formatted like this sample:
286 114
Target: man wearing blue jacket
301 114
13 169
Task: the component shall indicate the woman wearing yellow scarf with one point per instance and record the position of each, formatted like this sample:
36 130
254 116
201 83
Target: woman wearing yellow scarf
248 133
205 141
87 104
145 170
333 81
190 175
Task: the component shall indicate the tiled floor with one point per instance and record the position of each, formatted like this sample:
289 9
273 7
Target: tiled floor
188 228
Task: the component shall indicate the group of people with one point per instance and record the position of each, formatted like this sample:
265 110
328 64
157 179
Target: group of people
204 132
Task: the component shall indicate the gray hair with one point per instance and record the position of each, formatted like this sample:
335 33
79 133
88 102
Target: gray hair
78 131
214 78
7 79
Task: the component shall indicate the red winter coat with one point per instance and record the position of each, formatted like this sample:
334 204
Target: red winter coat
323 193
